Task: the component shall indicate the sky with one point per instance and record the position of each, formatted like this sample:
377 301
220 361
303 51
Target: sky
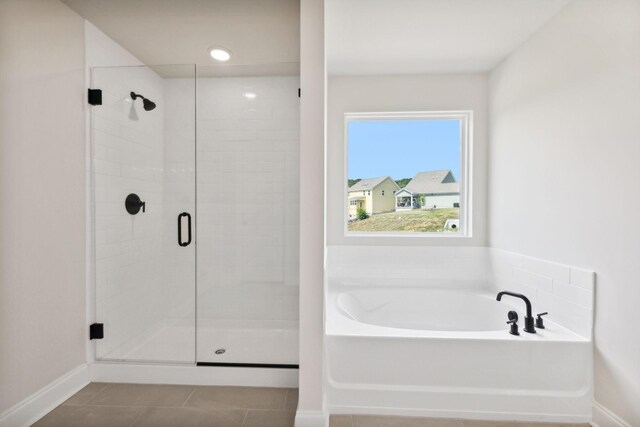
402 148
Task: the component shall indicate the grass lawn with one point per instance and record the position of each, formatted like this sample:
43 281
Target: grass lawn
407 221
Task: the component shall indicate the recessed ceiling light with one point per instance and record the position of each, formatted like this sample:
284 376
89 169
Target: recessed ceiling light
249 95
220 54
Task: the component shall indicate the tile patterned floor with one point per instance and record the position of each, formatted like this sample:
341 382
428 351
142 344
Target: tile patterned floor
129 405
147 405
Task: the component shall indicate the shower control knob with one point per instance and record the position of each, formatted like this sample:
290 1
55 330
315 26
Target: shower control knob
133 204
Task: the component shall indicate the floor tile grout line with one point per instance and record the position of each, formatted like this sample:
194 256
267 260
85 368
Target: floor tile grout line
142 412
193 390
244 419
95 395
188 407
142 406
284 402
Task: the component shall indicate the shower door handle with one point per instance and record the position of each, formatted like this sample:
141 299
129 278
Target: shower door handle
180 242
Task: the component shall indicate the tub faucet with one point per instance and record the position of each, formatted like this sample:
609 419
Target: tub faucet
528 320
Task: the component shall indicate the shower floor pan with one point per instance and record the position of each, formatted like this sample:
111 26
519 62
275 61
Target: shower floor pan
242 342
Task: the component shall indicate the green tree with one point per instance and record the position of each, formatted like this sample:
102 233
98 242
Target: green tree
353 182
362 214
403 182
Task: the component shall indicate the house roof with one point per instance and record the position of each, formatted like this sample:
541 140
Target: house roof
433 182
369 183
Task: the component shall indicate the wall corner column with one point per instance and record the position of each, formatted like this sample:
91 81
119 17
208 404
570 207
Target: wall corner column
312 223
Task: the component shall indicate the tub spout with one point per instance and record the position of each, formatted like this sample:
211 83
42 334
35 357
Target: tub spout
528 320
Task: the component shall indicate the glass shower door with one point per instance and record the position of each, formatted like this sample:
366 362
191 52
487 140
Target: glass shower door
143 178
248 207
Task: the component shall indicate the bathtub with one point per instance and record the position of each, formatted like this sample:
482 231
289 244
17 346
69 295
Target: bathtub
405 350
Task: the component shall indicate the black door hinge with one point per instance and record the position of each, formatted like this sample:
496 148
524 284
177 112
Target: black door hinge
299 92
96 331
95 96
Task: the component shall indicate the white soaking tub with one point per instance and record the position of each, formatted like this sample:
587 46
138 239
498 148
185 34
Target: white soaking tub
423 309
436 352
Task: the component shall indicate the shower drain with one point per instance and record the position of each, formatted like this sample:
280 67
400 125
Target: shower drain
220 351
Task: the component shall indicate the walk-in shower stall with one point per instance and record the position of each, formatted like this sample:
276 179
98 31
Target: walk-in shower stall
195 214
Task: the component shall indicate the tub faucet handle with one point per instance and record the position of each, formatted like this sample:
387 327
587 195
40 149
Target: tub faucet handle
539 321
513 321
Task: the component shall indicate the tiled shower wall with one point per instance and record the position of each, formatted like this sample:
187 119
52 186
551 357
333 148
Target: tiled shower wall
127 158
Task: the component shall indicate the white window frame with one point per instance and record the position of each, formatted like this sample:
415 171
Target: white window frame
466 161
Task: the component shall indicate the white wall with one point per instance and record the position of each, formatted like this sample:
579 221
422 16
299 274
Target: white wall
312 230
564 131
404 93
102 51
42 213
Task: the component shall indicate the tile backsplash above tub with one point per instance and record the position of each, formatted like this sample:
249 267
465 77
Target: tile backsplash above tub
564 291
462 267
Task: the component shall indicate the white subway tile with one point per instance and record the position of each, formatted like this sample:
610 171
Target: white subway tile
509 258
574 294
572 316
105 167
500 270
531 279
549 269
583 278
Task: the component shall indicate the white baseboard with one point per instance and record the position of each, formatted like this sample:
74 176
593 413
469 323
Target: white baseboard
191 375
311 419
46 399
603 417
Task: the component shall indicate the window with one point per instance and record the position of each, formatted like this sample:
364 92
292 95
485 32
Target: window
421 160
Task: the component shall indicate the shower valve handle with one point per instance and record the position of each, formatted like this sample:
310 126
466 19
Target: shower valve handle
133 204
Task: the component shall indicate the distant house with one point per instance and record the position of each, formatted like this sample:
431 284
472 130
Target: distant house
375 195
435 189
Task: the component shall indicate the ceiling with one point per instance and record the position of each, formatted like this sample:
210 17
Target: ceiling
365 37
181 31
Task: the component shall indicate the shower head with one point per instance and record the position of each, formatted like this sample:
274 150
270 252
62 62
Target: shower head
147 104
